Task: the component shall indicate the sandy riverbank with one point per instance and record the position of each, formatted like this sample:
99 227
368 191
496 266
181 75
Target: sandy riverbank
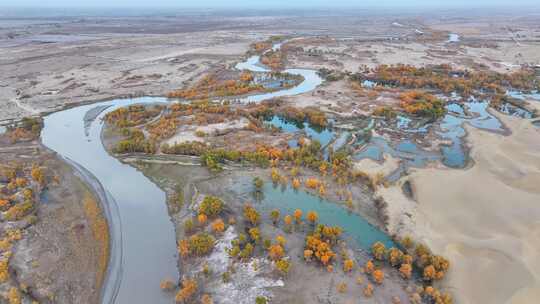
485 219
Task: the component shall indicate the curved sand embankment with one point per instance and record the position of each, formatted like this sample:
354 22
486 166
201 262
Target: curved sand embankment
485 219
111 285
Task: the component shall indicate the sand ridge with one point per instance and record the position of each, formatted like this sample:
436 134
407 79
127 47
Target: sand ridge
485 219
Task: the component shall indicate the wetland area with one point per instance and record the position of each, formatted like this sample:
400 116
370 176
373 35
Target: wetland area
227 157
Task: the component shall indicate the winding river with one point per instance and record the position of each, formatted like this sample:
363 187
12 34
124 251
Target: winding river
143 240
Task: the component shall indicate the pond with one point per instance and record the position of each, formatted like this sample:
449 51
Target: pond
450 128
287 199
323 135
143 239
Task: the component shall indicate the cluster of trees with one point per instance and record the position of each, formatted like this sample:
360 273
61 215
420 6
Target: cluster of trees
433 295
29 128
17 203
10 236
330 75
244 245
210 86
202 243
315 117
211 206
385 111
188 291
100 231
164 127
320 242
261 47
416 256
447 80
135 141
14 296
274 59
17 199
199 244
132 115
421 103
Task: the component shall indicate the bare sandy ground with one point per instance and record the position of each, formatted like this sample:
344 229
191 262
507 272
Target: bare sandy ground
503 56
485 219
48 63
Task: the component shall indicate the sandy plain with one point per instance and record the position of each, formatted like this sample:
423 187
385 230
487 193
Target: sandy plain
486 218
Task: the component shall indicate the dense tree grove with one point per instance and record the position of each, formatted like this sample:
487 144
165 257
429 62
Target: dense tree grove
211 206
274 59
135 141
319 244
447 80
28 129
187 292
199 244
422 104
132 115
210 86
430 267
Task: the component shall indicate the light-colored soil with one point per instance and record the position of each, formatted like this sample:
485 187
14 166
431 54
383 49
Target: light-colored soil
49 63
58 257
484 219
305 283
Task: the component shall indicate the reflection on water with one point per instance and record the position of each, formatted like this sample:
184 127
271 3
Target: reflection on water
287 200
450 128
310 82
406 150
144 249
323 135
534 95
147 238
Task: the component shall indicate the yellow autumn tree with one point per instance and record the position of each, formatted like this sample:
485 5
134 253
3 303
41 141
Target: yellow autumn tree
378 250
312 216
202 218
298 216
283 266
218 226
368 291
369 267
296 183
308 254
406 271
378 276
251 214
281 240
348 265
188 290
276 252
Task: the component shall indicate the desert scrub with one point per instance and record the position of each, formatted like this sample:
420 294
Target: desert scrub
197 245
211 206
18 211
100 231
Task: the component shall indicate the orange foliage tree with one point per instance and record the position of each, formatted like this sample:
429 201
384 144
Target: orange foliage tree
187 292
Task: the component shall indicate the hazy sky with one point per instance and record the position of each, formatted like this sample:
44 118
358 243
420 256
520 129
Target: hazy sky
266 3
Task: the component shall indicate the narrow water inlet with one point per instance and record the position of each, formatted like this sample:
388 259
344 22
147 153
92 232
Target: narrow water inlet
287 200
